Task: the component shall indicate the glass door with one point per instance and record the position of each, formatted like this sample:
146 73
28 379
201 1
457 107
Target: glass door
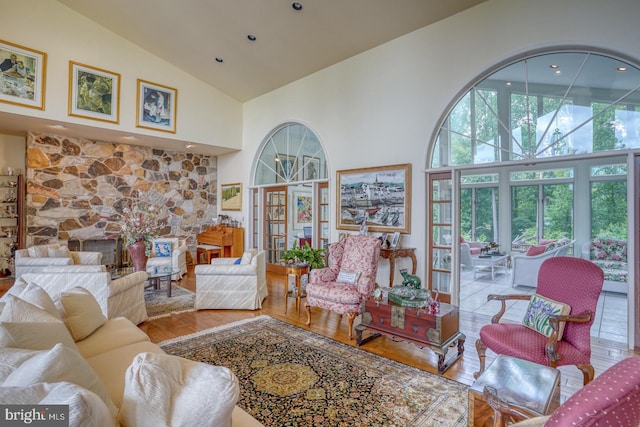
275 216
322 236
440 188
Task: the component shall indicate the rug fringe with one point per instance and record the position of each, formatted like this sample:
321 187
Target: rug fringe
214 329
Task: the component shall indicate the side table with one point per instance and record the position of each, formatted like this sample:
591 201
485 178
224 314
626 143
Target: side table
392 253
299 273
531 388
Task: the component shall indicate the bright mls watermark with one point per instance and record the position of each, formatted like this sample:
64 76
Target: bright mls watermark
34 415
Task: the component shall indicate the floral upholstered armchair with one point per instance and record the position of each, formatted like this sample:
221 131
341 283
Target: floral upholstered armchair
348 280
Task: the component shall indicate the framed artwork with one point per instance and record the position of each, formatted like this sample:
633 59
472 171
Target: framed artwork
302 209
395 239
156 107
22 75
94 93
231 197
286 168
378 197
310 167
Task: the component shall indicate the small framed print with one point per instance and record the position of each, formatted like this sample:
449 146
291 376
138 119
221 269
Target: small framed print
395 239
22 75
310 168
156 107
231 197
94 93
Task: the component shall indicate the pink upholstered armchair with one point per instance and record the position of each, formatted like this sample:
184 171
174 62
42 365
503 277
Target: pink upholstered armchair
568 280
612 399
356 257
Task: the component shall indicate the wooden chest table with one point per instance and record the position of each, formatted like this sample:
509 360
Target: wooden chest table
437 331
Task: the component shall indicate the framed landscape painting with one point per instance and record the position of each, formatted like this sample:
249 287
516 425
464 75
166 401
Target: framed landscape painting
231 196
378 198
156 107
22 75
94 93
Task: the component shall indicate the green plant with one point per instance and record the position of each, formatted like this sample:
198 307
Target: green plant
312 256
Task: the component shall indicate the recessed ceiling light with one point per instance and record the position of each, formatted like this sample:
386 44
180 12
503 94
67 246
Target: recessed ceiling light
251 37
296 6
554 66
188 146
622 69
558 72
130 138
219 60
508 83
58 127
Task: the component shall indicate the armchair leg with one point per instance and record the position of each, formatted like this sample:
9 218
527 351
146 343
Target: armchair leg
351 317
482 351
587 373
308 309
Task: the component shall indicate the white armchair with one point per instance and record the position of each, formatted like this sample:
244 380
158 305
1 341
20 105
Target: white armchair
175 258
224 284
525 267
122 297
36 258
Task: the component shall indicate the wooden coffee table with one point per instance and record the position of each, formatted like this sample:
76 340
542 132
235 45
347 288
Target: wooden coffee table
438 331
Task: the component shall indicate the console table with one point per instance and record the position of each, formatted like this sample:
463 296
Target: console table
392 253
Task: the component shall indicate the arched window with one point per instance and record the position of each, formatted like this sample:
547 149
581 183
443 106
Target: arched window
545 105
291 153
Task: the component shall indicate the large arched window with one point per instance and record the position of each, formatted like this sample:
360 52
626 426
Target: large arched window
291 153
545 105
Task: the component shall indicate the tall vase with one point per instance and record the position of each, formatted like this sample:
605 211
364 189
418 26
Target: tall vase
138 255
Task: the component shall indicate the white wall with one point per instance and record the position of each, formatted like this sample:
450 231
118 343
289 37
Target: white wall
382 107
13 153
204 114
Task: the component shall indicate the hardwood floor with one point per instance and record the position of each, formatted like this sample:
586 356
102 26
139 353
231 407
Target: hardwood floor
604 353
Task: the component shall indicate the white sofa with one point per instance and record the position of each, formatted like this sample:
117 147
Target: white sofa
107 371
177 258
36 258
227 283
122 297
526 267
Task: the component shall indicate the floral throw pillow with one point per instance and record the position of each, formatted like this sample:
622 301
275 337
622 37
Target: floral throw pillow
537 315
162 249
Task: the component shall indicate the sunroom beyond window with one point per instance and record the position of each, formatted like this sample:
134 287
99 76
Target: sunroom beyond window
557 104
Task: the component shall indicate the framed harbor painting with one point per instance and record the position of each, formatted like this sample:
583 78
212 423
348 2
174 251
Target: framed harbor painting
22 75
378 197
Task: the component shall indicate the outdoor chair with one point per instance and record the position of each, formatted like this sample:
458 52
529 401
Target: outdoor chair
348 280
612 399
573 281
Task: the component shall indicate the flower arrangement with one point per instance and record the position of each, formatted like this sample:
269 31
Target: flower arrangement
143 223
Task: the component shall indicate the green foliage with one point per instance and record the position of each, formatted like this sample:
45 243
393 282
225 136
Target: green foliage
314 257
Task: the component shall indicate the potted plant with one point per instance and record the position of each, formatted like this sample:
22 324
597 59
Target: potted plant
312 256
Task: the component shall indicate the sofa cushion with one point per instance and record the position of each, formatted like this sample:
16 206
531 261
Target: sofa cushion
537 315
34 294
81 312
40 251
18 286
60 364
24 325
11 358
186 388
118 332
536 250
58 252
86 409
112 365
348 277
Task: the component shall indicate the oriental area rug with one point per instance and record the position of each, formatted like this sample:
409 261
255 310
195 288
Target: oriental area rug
159 305
292 377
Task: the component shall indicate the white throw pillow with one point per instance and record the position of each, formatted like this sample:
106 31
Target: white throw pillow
56 365
86 409
348 277
192 393
59 252
40 251
246 257
24 325
17 288
37 296
11 358
80 312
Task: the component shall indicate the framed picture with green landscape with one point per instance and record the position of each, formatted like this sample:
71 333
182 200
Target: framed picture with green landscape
231 197
94 93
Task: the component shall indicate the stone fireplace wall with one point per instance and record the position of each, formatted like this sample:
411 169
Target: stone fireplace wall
76 188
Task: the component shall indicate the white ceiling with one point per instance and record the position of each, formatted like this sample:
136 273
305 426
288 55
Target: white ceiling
290 44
